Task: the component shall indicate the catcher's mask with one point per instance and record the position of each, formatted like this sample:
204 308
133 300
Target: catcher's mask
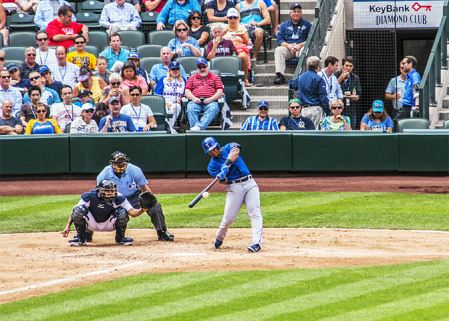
119 162
209 143
108 190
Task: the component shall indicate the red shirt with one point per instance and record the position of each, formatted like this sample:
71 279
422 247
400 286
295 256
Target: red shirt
56 28
204 87
159 7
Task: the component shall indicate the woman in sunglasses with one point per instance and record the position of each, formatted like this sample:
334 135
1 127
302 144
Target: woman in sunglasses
337 121
87 81
377 118
84 123
42 125
197 30
131 79
183 44
115 89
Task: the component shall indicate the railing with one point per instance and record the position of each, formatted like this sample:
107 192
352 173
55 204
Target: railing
324 10
437 62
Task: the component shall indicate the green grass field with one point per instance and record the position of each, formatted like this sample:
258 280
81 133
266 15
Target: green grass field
417 291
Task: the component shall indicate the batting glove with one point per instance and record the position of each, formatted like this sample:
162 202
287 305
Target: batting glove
221 176
224 168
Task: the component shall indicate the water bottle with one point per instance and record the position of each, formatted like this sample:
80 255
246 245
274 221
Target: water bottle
250 44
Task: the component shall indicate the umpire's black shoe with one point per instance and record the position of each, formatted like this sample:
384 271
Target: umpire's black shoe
280 79
126 241
165 236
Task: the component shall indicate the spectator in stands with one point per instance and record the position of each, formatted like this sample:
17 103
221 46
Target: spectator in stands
351 88
154 5
86 80
291 40
377 118
203 90
197 30
48 10
2 58
102 71
160 70
220 46
120 15
9 6
63 31
3 30
30 63
295 121
42 125
183 44
23 85
274 14
262 121
116 89
134 57
48 95
9 125
83 98
238 34
172 88
64 113
410 101
7 92
130 77
84 124
333 88
49 82
395 91
217 11
80 57
44 55
175 10
141 114
312 92
253 15
337 121
101 110
64 71
135 3
115 53
116 122
28 111
27 6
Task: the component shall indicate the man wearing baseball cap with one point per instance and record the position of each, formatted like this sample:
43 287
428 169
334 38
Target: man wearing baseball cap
22 84
116 122
262 121
295 121
291 39
49 82
203 90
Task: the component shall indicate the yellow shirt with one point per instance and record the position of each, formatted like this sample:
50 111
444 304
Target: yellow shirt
96 89
47 127
84 59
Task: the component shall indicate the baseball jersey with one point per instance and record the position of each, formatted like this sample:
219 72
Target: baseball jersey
372 125
171 91
301 123
130 181
236 170
65 113
412 83
49 127
84 59
122 123
101 210
254 123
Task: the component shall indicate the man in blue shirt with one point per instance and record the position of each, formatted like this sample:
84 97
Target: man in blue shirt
10 93
115 53
116 122
119 15
48 95
410 100
312 92
291 39
395 91
295 121
175 10
261 121
160 70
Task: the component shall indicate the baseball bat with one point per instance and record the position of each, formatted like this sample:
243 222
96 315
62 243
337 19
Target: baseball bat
200 195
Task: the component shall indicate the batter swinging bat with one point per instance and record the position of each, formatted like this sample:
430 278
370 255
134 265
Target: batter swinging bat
200 195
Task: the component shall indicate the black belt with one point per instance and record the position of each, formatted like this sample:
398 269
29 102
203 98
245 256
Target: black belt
306 105
242 179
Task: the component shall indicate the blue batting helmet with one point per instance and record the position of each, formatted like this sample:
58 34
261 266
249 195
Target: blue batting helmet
209 143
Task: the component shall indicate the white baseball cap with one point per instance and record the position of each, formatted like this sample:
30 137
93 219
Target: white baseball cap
232 12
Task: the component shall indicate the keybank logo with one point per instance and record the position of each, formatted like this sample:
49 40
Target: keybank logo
389 8
416 6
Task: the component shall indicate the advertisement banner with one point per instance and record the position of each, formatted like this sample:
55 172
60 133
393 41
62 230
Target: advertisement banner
374 14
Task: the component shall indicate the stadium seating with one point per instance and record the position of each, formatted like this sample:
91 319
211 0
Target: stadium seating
149 50
132 38
148 23
22 39
229 67
157 105
99 38
412 123
12 61
91 6
189 63
15 53
160 37
90 19
148 62
446 124
21 22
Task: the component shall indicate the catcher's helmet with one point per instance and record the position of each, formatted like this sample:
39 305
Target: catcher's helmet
108 190
119 161
209 143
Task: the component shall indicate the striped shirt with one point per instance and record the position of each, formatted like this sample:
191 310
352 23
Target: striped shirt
204 87
254 123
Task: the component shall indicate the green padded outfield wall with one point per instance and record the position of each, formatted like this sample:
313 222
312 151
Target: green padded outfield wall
34 154
345 152
261 151
151 152
424 152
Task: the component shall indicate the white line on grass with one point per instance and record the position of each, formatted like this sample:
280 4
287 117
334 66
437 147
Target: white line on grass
72 278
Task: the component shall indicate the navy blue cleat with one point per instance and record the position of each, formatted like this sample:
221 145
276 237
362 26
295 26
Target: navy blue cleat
217 243
254 248
126 241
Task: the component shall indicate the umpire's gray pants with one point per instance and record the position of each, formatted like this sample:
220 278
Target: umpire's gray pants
156 214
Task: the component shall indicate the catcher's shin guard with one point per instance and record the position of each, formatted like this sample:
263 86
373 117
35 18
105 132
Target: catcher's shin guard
121 223
78 214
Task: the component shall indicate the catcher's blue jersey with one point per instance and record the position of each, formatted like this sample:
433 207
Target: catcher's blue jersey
238 168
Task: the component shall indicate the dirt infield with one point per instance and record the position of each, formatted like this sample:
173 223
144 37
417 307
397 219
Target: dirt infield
40 263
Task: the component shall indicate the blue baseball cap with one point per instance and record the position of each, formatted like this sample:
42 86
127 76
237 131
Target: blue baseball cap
201 61
43 68
133 55
295 5
378 106
12 66
263 103
174 65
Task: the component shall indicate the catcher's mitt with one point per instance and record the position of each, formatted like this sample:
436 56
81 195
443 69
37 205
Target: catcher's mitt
147 200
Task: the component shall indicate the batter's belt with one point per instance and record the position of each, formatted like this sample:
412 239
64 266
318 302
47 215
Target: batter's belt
242 179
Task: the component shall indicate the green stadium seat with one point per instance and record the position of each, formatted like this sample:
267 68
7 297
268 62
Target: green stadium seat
229 67
148 62
160 37
413 123
91 6
446 124
149 51
189 63
148 23
132 38
21 22
22 39
12 61
157 105
99 38
15 53
90 19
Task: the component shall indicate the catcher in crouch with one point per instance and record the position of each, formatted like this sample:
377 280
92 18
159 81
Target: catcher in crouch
104 209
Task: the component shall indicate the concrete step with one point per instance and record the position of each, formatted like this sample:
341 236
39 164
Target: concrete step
446 100
439 124
443 114
268 78
306 4
274 91
270 54
271 68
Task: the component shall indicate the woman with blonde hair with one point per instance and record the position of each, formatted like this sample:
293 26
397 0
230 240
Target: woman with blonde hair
183 44
172 88
337 121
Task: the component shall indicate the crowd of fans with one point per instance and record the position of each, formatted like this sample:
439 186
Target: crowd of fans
56 91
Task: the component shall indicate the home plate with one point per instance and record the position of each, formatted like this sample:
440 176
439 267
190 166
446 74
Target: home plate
187 254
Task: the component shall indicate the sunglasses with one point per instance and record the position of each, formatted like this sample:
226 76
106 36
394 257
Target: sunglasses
263 108
80 42
181 30
6 77
295 107
42 39
89 111
232 18
135 95
336 108
31 55
201 67
196 18
115 83
2 59
35 78
41 111
45 73
176 69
